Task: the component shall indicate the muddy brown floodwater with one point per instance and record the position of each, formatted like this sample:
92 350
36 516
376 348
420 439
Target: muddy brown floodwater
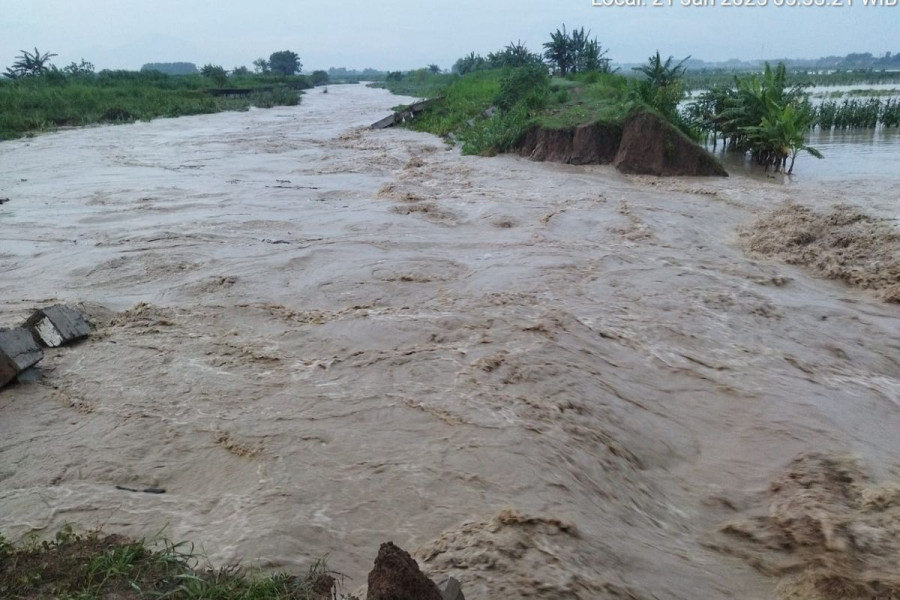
553 381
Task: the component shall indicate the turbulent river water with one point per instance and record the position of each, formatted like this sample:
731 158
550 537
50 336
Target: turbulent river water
552 381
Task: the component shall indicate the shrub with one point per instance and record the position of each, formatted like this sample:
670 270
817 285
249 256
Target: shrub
499 133
528 86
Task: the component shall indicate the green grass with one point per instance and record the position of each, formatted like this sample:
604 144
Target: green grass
420 84
39 104
556 104
97 567
604 100
465 99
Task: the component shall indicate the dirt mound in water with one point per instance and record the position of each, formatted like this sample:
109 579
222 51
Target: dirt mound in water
842 244
518 556
587 144
830 533
651 146
396 576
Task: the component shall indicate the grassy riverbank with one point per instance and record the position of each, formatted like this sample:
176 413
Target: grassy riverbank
524 97
94 567
45 103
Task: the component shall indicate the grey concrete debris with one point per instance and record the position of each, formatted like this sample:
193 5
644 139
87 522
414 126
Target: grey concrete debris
402 116
18 351
31 375
58 325
451 589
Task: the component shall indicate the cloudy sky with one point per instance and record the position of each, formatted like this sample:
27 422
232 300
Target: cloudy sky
403 34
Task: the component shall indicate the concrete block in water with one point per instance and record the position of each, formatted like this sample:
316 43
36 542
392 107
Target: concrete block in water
18 351
386 122
58 325
451 589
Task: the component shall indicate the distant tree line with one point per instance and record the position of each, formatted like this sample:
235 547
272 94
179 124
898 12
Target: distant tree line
852 61
567 53
173 68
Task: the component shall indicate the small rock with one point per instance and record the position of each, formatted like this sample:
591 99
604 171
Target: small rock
4 200
18 351
31 375
451 589
58 325
396 576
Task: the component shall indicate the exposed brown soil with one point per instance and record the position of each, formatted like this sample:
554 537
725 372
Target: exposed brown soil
587 144
647 145
842 244
396 576
651 146
830 533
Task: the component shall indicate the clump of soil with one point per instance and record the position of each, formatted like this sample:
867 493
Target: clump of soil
842 244
652 146
587 144
396 576
830 533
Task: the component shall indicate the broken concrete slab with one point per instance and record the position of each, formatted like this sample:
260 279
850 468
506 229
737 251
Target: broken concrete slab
58 325
386 122
405 114
18 351
31 375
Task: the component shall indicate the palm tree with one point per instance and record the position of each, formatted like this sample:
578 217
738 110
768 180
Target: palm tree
781 134
30 64
558 51
577 42
661 74
592 58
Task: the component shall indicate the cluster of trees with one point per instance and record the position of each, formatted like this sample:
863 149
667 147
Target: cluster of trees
759 114
283 62
37 64
566 53
575 52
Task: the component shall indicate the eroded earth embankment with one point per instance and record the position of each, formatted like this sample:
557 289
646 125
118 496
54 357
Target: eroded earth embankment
554 381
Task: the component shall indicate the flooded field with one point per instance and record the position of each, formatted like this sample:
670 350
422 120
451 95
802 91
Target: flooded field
866 156
550 381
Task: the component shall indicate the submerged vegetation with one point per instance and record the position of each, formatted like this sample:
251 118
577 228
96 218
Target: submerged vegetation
852 113
94 567
36 96
760 115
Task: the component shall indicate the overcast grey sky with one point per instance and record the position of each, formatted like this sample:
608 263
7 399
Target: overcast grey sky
403 34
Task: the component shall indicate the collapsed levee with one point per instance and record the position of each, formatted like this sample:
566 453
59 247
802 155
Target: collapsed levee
842 244
645 144
587 144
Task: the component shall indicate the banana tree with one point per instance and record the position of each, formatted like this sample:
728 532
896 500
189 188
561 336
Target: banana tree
660 74
781 135
558 51
29 64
